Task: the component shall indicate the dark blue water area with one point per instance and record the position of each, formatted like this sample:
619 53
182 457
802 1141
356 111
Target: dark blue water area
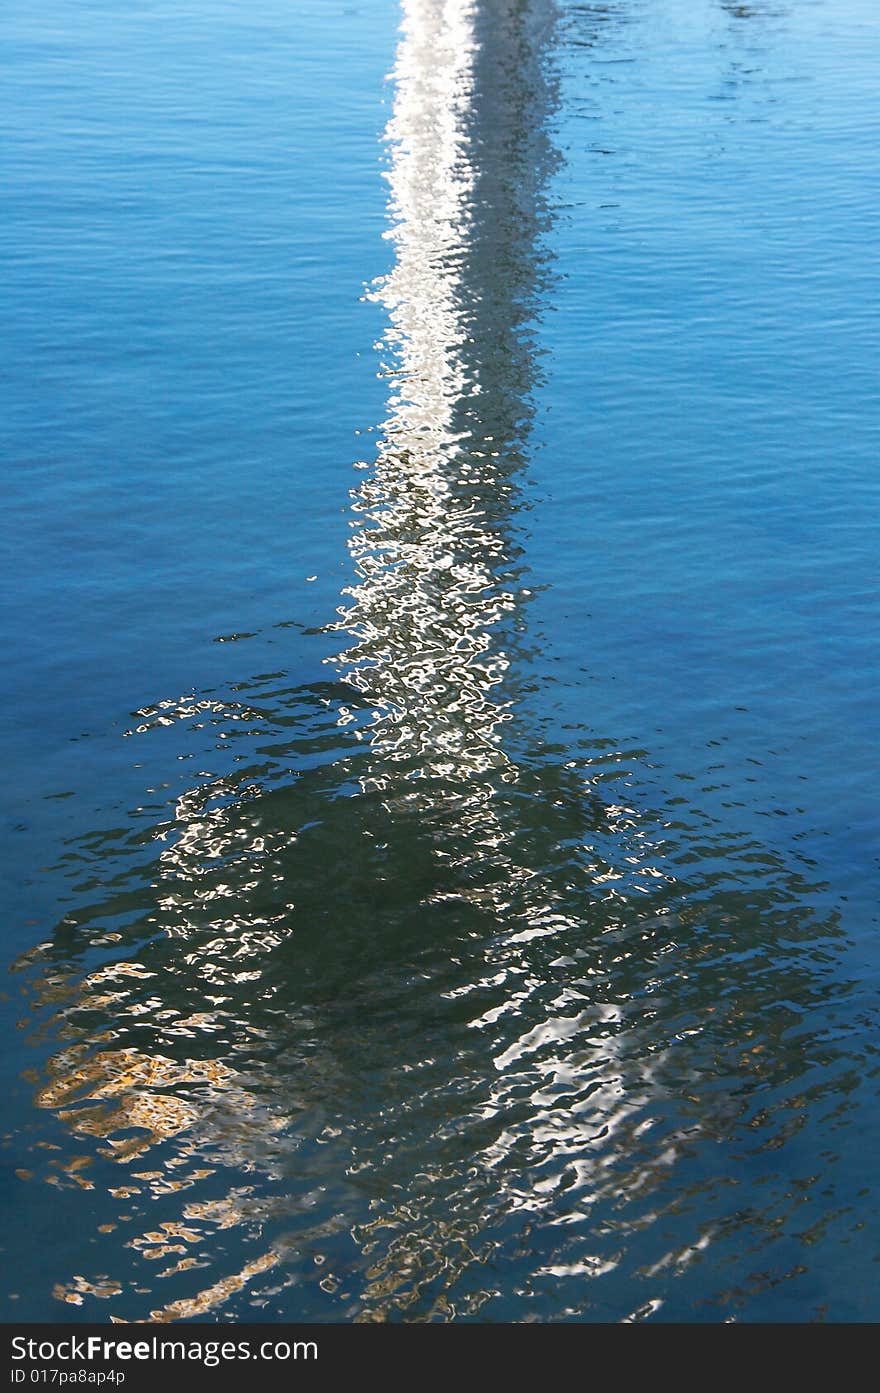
440 847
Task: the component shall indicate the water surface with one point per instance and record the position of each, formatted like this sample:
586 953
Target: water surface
440 820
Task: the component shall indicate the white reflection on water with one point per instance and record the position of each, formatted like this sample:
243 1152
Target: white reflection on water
437 579
427 548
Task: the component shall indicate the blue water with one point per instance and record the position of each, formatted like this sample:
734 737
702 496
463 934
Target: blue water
440 849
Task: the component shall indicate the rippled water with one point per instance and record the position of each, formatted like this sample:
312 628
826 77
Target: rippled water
441 888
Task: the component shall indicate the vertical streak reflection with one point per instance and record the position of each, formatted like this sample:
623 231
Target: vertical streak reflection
435 545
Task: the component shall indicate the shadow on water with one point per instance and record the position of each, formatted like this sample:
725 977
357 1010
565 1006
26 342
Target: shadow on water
403 1008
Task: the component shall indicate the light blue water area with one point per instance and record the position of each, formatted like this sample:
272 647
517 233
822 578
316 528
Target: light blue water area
190 223
441 612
